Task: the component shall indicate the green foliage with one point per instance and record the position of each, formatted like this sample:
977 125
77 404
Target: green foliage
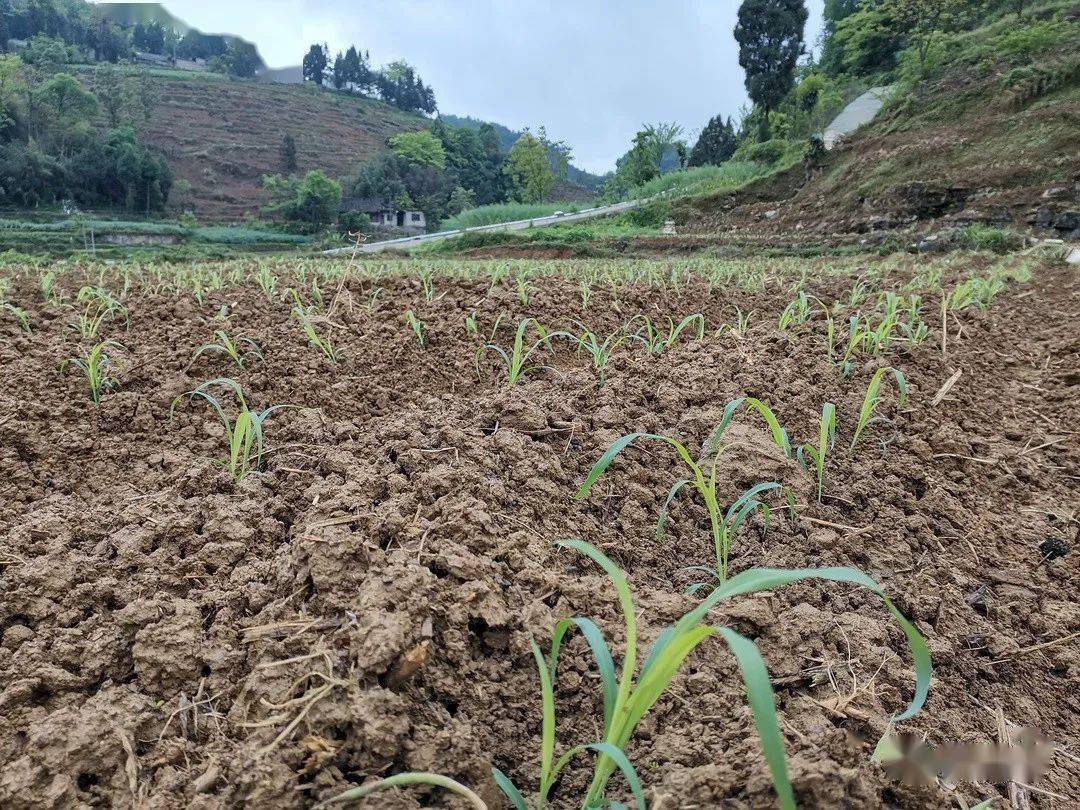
978 236
872 400
95 367
461 199
809 90
47 53
51 150
765 153
241 59
656 147
629 692
651 214
528 170
716 143
700 180
866 41
506 212
314 200
244 433
420 148
770 37
288 153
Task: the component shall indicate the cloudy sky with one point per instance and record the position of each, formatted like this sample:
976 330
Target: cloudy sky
591 70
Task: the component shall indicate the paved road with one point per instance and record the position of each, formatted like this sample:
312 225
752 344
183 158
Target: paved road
860 111
518 225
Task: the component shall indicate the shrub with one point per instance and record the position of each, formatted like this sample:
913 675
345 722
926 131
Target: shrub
767 152
650 215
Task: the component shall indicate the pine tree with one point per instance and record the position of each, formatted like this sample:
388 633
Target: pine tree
716 143
315 64
338 76
288 153
770 37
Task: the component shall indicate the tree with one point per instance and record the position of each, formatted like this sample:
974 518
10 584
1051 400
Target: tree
113 92
559 154
528 170
314 67
12 89
242 59
832 54
314 200
460 200
923 20
639 165
770 37
867 41
338 76
716 143
399 84
288 153
67 109
146 95
419 148
356 72
662 140
47 53
809 91
319 199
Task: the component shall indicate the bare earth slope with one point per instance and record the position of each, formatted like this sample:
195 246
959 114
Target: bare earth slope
222 136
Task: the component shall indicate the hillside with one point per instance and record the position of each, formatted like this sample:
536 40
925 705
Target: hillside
508 137
221 136
988 135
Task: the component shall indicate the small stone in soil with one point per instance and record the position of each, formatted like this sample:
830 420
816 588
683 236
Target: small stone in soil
1053 548
977 599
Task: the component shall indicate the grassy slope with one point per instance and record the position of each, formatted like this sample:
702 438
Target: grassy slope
222 136
974 122
971 124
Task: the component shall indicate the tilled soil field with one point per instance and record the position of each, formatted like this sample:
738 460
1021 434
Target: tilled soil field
363 604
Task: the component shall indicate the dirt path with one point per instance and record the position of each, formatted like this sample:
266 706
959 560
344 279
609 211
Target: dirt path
365 605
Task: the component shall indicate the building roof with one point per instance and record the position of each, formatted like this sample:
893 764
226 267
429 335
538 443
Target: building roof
366 205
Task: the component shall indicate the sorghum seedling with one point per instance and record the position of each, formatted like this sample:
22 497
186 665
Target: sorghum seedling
628 696
600 351
658 341
516 359
19 314
244 434
826 439
308 318
416 325
95 366
723 525
99 305
266 280
230 347
873 399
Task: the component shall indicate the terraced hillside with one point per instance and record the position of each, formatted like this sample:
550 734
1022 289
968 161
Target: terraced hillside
221 136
